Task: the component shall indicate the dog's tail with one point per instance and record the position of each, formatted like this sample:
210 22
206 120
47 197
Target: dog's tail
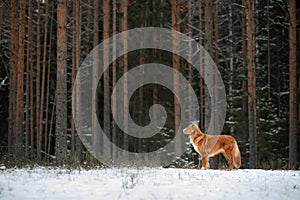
236 156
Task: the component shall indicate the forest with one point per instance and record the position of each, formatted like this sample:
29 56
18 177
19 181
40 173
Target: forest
44 45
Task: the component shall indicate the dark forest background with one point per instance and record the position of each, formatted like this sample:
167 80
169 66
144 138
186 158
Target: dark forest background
254 44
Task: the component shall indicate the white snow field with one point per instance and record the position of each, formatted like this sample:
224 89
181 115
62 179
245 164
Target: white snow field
149 183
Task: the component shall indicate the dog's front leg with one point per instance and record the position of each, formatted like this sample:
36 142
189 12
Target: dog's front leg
205 162
199 163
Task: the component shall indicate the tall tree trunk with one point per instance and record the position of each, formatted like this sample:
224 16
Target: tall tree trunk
106 14
176 63
39 148
20 83
114 77
208 27
269 50
208 47
31 72
96 139
74 37
201 97
29 87
76 44
183 63
124 7
46 134
230 34
13 61
154 56
61 83
216 59
231 72
50 128
78 144
216 31
120 139
27 108
88 35
1 15
38 78
106 113
251 90
244 83
142 62
299 109
293 87
190 78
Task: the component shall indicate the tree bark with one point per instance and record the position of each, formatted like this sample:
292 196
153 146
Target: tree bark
61 84
29 87
209 48
30 72
88 35
39 147
38 78
251 90
269 50
96 139
114 77
1 15
78 144
124 7
216 59
190 78
46 133
176 63
216 31
74 65
293 87
106 113
154 56
50 128
208 27
230 34
142 62
13 46
244 82
27 108
201 88
20 83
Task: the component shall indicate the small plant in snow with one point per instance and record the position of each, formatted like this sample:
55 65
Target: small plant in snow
130 181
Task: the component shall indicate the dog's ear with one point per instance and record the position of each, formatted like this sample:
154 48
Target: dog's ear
195 126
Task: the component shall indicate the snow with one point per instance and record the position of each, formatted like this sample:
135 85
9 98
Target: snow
148 183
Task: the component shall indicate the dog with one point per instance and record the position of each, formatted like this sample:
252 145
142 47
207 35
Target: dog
210 145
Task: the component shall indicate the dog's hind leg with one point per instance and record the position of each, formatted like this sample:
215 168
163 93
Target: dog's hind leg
199 163
229 158
205 162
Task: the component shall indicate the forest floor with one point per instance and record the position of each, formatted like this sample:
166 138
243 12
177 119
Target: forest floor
148 183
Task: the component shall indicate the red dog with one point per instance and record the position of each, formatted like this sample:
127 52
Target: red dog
209 145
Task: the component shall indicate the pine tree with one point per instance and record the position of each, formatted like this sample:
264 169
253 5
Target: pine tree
106 112
38 79
13 61
20 81
293 85
176 63
61 83
124 26
251 90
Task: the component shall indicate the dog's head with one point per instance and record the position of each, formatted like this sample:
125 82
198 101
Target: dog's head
191 129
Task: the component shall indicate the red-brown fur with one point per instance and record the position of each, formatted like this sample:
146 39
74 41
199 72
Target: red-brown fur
210 145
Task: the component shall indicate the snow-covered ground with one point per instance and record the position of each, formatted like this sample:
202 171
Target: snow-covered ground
157 183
